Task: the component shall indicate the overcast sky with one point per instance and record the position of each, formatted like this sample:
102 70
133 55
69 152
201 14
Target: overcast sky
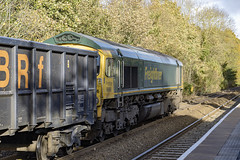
232 7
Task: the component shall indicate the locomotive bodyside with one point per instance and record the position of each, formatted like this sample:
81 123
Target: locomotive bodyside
133 84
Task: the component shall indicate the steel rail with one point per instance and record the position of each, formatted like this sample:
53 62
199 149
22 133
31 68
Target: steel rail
181 131
185 154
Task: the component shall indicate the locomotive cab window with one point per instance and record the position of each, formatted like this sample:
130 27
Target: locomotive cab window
109 67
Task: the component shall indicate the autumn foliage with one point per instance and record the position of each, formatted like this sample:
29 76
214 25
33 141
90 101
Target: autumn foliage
202 38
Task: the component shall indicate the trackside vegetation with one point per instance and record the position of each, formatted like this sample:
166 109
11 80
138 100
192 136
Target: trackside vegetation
201 37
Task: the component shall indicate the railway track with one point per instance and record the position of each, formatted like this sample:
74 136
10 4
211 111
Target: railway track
172 150
174 146
20 156
88 150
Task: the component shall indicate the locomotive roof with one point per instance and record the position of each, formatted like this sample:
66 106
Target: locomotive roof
98 43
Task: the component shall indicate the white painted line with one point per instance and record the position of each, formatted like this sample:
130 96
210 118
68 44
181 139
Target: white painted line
185 154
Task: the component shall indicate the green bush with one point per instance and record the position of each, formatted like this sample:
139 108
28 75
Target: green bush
187 88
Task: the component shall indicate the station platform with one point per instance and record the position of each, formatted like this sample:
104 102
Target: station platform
222 142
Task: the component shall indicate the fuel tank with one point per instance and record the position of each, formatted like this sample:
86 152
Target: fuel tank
151 110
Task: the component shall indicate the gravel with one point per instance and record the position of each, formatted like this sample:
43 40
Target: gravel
139 140
144 137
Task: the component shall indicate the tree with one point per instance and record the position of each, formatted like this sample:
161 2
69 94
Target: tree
201 37
130 23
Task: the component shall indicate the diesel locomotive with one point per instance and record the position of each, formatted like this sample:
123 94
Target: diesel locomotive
55 97
133 84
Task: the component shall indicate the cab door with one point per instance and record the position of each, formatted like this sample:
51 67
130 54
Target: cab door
120 77
178 74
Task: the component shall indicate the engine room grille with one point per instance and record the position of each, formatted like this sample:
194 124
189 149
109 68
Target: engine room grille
130 77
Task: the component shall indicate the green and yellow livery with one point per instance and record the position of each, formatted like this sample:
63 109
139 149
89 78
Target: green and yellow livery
133 83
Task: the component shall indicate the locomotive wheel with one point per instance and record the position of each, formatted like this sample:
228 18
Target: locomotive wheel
41 150
115 133
101 136
128 127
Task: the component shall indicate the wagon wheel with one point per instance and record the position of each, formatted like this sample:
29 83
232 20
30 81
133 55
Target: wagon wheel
69 150
41 150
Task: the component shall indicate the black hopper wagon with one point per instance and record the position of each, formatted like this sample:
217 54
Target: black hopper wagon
47 96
